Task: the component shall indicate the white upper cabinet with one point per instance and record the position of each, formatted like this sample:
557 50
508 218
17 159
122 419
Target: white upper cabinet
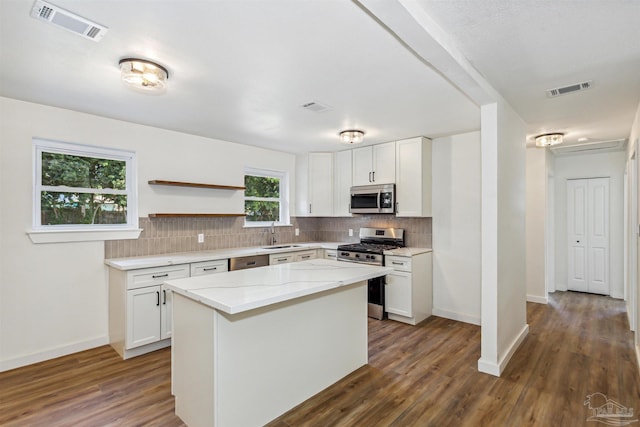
314 184
375 164
413 177
342 182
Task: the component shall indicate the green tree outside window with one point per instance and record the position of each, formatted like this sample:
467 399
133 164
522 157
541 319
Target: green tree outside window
82 190
262 199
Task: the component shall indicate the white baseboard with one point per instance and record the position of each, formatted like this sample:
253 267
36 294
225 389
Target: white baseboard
537 299
495 369
52 353
455 316
617 295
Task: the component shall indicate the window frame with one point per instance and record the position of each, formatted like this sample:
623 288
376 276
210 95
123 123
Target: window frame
45 233
284 216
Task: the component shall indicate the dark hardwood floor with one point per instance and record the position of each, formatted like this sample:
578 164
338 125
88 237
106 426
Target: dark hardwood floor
578 344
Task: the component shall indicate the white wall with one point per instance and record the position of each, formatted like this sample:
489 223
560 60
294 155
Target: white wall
590 166
53 297
536 223
503 236
456 227
634 146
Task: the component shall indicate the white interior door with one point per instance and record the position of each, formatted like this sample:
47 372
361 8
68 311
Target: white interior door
577 228
588 235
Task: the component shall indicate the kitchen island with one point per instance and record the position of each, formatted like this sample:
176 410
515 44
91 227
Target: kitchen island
249 345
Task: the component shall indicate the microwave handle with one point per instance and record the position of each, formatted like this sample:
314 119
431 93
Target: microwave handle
379 197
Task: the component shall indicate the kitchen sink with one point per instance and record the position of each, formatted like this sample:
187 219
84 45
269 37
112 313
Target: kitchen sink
281 247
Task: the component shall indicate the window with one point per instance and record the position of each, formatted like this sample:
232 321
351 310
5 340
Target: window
79 187
265 197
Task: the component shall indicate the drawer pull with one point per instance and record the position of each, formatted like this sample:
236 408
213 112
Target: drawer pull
281 259
397 263
155 276
210 269
305 256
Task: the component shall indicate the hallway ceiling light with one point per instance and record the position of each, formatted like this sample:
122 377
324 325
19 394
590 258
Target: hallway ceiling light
352 136
549 139
144 76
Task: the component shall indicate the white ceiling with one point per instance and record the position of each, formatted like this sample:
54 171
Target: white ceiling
240 70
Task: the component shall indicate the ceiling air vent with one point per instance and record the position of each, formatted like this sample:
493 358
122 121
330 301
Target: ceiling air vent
552 93
67 20
316 107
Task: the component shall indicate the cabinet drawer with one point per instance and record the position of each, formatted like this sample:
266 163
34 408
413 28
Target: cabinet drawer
399 263
209 267
303 256
155 276
330 254
280 258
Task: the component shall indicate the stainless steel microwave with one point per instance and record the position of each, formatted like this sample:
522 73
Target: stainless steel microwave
373 199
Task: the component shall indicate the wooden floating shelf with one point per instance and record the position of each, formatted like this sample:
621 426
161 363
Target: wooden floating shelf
195 185
207 215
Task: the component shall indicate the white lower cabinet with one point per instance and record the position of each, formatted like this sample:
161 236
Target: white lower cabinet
280 258
140 305
148 315
398 294
330 254
209 267
305 255
408 292
286 257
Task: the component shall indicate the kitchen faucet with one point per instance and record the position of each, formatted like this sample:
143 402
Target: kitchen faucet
273 233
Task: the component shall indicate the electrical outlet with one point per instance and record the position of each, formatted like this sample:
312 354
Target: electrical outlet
351 232
297 231
200 238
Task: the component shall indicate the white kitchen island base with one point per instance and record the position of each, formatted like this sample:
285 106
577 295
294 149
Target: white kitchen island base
245 369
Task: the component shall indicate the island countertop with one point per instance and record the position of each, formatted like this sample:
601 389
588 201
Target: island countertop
238 291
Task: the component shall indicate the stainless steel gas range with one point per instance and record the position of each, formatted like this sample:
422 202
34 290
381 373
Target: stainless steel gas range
370 250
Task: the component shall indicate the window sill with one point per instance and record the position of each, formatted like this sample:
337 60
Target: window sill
64 236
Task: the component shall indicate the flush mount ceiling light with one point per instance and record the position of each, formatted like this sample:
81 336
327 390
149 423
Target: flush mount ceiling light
352 136
549 139
144 76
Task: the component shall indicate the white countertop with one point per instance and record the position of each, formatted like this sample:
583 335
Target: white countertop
407 251
133 263
238 291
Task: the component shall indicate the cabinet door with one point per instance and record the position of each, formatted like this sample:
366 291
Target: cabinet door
342 166
398 293
166 313
320 184
413 177
143 316
362 165
384 163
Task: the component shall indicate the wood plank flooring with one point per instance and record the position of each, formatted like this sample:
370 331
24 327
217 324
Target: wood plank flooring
417 376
